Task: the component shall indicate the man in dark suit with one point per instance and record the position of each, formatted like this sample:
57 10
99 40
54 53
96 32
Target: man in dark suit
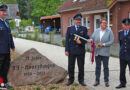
124 41
75 49
6 42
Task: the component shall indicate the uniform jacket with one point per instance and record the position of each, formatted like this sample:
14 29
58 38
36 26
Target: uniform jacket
71 46
107 39
124 42
6 40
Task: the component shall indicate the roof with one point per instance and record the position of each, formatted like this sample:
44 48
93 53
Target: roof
13 11
95 5
70 5
87 5
50 17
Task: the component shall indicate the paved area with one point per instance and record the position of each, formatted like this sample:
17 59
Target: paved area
56 54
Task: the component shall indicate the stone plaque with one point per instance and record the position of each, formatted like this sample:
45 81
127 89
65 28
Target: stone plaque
32 68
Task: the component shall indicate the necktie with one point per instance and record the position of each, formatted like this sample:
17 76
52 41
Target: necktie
7 25
77 28
125 33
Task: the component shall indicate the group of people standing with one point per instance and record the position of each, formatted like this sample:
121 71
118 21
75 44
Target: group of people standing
103 38
75 49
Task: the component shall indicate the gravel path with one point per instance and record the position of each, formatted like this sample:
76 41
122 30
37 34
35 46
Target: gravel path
56 54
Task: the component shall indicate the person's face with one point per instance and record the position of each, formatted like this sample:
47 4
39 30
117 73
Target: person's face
77 22
126 27
3 14
103 24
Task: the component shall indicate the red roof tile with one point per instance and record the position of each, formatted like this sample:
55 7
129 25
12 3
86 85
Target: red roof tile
50 17
87 5
69 4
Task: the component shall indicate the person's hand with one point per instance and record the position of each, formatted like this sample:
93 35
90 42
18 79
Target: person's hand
67 53
78 41
89 41
100 44
13 49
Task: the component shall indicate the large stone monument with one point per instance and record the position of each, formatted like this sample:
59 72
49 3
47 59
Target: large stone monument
32 68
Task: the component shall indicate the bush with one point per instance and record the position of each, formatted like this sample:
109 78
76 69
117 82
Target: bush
53 87
35 35
38 88
28 37
40 39
63 42
51 33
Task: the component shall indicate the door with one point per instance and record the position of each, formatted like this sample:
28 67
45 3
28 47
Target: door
97 19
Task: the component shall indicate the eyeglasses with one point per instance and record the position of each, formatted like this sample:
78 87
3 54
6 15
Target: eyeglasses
104 22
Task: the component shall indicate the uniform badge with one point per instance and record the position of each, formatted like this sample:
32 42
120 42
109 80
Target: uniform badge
81 32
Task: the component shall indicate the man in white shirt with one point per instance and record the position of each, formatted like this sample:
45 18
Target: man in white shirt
104 39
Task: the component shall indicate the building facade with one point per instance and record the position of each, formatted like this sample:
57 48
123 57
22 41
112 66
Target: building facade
93 11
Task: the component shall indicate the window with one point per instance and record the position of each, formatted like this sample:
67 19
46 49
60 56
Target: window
105 17
87 23
71 22
129 14
82 0
74 0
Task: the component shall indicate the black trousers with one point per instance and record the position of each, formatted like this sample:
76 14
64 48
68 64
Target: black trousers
105 60
123 64
71 66
4 66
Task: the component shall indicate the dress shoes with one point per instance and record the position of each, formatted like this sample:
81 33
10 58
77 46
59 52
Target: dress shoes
96 84
83 83
107 84
120 86
69 83
7 86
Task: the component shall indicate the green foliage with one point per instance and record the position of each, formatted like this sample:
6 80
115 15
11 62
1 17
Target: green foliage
109 2
63 42
25 23
24 9
11 89
73 88
29 37
35 35
36 8
51 33
44 8
38 88
75 84
53 87
12 23
8 1
40 39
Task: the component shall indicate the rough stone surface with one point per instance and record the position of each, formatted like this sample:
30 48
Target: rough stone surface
34 68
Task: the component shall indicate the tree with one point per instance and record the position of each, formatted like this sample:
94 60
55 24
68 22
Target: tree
25 23
44 8
25 9
8 1
12 23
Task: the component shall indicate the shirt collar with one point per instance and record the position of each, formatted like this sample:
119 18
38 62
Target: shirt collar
2 19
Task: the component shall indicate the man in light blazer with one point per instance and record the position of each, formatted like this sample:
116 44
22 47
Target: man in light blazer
104 38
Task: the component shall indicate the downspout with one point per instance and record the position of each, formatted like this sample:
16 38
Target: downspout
108 18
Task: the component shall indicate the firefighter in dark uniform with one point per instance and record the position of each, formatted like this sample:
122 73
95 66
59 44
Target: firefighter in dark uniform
75 49
124 41
6 42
